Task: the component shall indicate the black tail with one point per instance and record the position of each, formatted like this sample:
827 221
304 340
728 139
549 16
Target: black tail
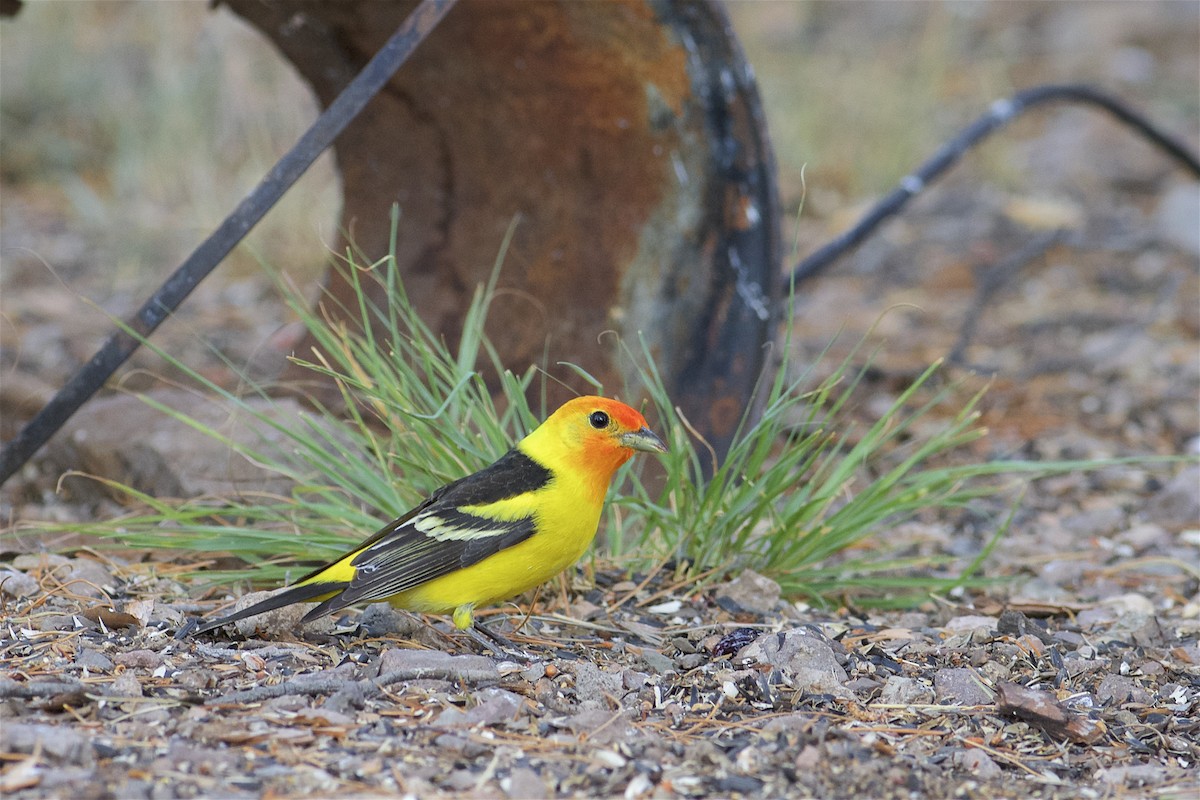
296 594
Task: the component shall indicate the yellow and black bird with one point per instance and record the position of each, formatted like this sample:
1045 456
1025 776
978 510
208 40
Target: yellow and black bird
489 536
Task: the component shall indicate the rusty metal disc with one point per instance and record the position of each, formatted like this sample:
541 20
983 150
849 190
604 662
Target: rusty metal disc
627 136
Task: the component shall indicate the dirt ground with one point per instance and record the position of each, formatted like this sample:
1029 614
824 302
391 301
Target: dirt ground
1076 674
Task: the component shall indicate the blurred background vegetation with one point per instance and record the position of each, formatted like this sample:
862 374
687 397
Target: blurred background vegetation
129 129
137 126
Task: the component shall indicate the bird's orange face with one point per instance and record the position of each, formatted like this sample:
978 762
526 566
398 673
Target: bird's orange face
603 433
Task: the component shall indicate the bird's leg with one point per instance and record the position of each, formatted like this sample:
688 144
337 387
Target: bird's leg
498 644
464 620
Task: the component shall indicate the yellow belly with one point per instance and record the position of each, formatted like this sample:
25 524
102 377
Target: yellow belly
563 536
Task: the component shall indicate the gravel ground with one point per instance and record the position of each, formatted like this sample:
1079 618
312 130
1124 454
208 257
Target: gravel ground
1076 675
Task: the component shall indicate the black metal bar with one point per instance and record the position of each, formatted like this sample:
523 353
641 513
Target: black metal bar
121 344
1000 114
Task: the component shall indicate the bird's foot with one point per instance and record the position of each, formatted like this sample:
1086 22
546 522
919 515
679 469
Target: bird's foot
498 644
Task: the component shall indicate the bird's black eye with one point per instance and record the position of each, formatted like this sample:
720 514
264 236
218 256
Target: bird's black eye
599 420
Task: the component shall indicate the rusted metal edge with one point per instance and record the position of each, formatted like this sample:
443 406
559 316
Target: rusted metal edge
722 368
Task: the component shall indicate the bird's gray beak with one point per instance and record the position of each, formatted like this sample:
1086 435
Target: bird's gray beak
643 439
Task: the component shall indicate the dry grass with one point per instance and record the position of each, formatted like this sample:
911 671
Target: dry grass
137 127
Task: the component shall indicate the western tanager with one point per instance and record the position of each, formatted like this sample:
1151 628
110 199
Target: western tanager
491 535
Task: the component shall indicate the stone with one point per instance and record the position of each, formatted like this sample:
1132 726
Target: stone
57 622
1176 217
93 660
971 622
524 783
1133 775
142 659
39 561
1144 536
1102 521
1177 504
17 584
807 659
960 685
494 706
381 619
902 691
976 762
751 591
594 685
657 662
196 679
439 665
87 577
602 726
1118 690
57 742
125 685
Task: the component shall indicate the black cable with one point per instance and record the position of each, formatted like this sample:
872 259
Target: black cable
1000 114
88 379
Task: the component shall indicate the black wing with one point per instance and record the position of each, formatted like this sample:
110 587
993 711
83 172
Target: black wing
438 537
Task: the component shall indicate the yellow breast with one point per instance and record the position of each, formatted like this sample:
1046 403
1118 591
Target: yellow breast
567 517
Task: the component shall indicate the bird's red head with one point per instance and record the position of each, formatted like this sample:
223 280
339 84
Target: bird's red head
595 434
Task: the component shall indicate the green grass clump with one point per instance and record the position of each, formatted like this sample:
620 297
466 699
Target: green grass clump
799 486
792 492
414 415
